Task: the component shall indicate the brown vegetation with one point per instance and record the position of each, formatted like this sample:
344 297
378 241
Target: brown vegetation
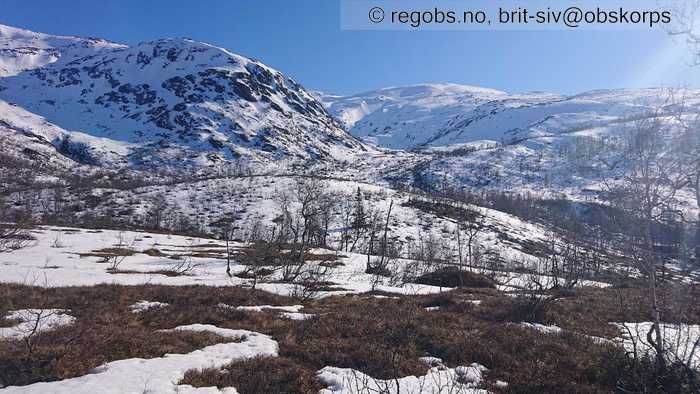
379 336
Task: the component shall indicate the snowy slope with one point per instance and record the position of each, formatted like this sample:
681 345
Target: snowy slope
545 144
254 201
22 50
180 99
30 137
404 117
443 115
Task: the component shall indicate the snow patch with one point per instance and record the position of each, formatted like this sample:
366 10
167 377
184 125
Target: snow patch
439 379
35 320
260 308
297 316
542 328
160 375
142 306
682 341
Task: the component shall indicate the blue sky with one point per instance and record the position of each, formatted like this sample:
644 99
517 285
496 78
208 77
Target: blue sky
303 39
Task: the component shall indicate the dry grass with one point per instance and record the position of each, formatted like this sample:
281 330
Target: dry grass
154 252
109 252
263 253
258 376
453 277
107 330
169 273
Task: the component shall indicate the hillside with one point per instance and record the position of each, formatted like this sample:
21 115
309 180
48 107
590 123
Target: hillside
440 115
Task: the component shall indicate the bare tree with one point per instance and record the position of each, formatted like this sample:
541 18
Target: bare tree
430 252
565 259
650 177
35 319
372 225
684 24
260 261
346 210
303 211
310 283
469 224
379 266
688 147
226 229
13 234
159 204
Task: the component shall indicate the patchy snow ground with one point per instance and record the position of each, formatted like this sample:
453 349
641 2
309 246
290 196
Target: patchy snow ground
260 308
288 312
556 330
77 261
297 315
42 264
439 379
143 306
254 200
542 328
682 341
34 321
161 375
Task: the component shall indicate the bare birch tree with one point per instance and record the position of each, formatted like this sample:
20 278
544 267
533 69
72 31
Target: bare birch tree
650 176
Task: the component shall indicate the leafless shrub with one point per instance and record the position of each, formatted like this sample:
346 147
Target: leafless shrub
34 320
261 261
120 253
184 263
311 282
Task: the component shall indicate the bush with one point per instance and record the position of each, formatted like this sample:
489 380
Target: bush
521 309
641 376
258 375
452 277
440 300
153 252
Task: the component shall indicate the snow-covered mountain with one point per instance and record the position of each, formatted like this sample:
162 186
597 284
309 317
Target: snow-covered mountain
172 101
183 104
540 143
436 115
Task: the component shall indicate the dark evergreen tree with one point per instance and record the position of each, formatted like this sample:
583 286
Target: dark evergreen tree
359 215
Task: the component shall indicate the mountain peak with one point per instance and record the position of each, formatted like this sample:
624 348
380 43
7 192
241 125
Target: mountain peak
24 50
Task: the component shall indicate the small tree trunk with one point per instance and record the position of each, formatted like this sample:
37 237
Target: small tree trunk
386 230
697 224
657 342
228 258
459 253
